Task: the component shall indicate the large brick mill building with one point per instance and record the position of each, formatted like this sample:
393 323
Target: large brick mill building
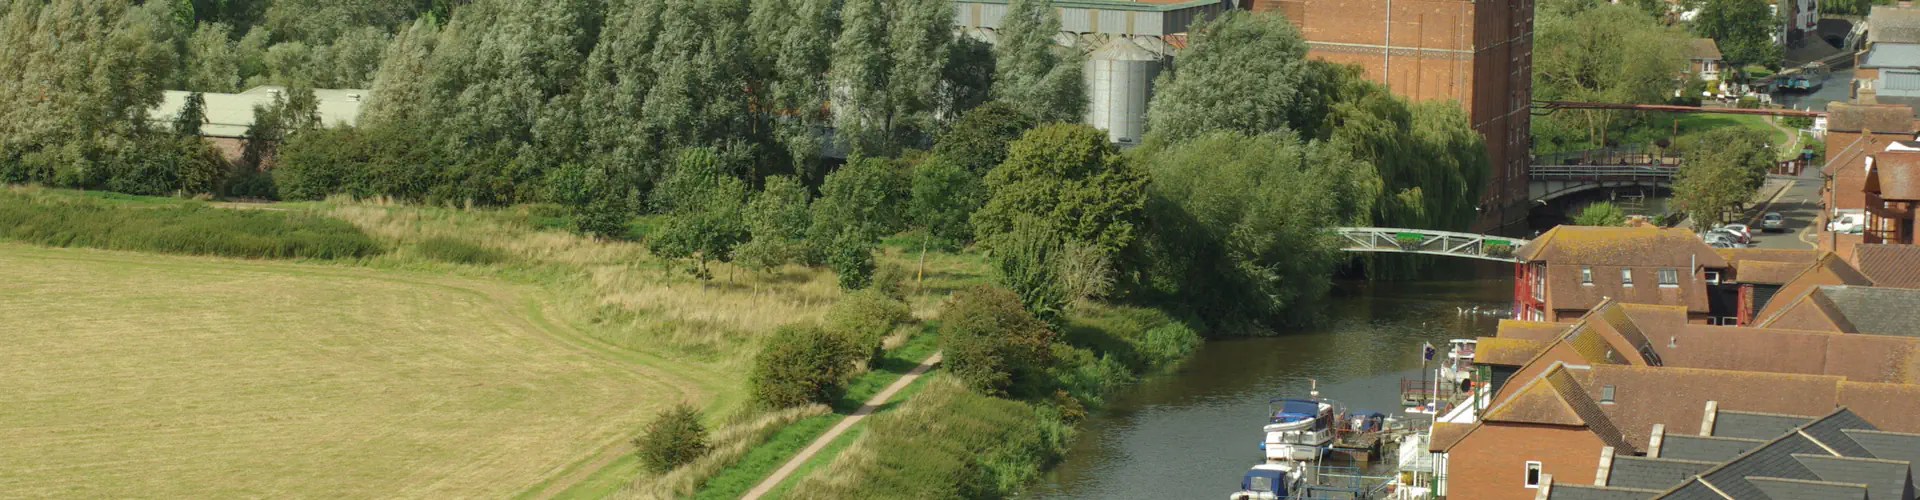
1478 53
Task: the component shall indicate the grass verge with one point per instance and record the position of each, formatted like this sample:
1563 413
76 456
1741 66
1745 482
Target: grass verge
36 216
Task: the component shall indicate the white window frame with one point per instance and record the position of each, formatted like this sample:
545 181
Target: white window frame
1626 276
1662 274
1713 277
1533 474
1586 275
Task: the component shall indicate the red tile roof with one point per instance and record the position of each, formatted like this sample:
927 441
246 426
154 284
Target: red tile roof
1896 175
1505 351
1644 396
1896 266
1621 246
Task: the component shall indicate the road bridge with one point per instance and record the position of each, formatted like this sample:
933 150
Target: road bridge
1429 242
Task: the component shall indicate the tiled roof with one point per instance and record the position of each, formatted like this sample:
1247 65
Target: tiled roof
1507 351
1891 446
1802 256
1570 491
1884 478
1760 271
1593 347
1774 459
1881 119
1896 175
1784 489
1829 270
1887 311
1703 48
1537 402
1888 406
1446 434
1755 425
1861 358
1620 246
1528 330
1569 293
1889 23
1677 397
1896 266
1656 474
1705 448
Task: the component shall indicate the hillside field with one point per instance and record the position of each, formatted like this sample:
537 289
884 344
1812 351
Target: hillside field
135 375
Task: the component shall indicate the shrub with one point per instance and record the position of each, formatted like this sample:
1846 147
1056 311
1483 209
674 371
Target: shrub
448 249
852 263
803 364
992 343
891 280
1026 259
191 229
675 438
865 318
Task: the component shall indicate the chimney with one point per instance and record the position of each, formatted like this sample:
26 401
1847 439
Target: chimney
1606 466
1546 487
1706 420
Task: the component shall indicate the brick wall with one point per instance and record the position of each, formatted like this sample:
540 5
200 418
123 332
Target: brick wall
1476 53
1490 463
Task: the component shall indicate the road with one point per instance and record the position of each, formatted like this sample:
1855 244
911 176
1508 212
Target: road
1800 204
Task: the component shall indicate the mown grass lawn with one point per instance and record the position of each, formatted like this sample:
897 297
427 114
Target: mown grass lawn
136 375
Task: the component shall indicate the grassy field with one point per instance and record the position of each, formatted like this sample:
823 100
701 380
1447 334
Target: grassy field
130 375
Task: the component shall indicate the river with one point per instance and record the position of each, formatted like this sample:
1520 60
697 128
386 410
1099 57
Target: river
1192 432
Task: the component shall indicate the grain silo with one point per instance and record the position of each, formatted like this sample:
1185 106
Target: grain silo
1119 82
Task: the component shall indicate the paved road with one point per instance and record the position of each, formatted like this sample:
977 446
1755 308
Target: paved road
1800 204
871 405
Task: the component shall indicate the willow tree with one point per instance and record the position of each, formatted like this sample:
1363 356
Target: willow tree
77 78
1209 90
1606 53
1031 71
886 72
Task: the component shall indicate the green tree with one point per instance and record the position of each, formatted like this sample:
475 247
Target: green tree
1243 258
945 195
212 63
861 202
1208 90
1610 54
794 47
400 85
777 218
803 364
1070 178
1719 171
1428 163
353 60
978 140
193 114
674 438
886 69
1027 260
1031 71
704 206
1602 213
1743 30
867 317
993 344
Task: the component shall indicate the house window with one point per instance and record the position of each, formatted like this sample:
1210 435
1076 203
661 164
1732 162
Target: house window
1606 394
1669 278
1533 474
1626 277
1713 277
1586 275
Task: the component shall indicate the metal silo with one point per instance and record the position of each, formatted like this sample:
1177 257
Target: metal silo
1119 82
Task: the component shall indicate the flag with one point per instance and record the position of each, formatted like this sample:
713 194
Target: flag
1426 351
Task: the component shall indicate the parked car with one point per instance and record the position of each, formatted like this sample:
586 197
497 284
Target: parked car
1727 234
1848 222
1773 222
1716 239
1746 236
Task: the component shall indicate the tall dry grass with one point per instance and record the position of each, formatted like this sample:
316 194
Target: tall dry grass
729 443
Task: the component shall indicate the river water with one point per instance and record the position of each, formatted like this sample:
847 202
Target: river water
1192 432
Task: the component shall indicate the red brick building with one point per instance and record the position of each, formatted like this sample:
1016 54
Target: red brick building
1571 269
1477 53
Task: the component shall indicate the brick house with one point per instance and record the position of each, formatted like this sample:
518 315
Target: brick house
1891 190
1571 269
1703 56
1884 266
1755 275
1853 132
1854 309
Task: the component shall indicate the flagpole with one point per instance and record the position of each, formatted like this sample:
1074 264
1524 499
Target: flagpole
1425 348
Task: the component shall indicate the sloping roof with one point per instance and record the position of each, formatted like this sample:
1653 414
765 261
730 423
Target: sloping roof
1773 460
1896 175
1782 488
1896 266
1527 330
1749 475
1705 448
1703 49
229 115
1888 23
1888 406
1537 402
1861 358
1891 55
1677 397
1446 434
1620 246
1755 425
1829 270
1891 446
1881 119
1887 311
1767 272
1574 491
1569 293
1802 256
1884 478
1507 351
1653 473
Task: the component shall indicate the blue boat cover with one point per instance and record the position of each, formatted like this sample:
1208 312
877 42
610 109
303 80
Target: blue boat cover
1265 480
1368 414
1294 410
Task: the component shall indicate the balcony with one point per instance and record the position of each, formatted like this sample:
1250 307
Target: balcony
1892 209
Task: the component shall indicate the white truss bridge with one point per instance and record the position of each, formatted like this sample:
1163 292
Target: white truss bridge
1430 242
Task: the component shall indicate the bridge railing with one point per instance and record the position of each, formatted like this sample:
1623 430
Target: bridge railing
1601 172
1430 242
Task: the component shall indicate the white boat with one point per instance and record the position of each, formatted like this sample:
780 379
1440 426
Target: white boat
1299 429
1459 363
1271 481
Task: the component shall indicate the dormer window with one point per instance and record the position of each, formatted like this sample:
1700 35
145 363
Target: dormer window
1586 275
1626 277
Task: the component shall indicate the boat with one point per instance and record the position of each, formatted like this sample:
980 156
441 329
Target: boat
1299 429
1270 482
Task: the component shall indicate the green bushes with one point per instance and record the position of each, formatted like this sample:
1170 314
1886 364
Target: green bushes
945 442
191 229
454 250
865 318
675 438
993 344
803 364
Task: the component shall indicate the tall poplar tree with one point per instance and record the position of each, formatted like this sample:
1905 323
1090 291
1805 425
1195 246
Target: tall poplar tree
1034 73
